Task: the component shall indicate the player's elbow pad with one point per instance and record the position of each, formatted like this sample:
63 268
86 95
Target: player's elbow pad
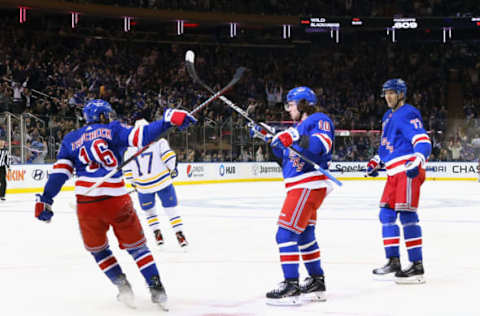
424 148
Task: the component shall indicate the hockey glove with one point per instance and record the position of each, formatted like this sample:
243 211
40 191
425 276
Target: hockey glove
257 131
179 118
373 165
413 165
43 210
174 173
286 138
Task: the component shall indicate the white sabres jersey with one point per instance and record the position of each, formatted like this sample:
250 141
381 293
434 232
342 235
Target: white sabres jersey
150 171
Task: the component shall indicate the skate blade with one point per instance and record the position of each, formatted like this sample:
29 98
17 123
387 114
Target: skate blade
285 301
416 279
319 296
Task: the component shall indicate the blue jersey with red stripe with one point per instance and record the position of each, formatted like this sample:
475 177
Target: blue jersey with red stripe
95 150
403 135
317 134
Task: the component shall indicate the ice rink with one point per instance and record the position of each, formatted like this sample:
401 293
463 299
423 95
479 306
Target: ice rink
233 259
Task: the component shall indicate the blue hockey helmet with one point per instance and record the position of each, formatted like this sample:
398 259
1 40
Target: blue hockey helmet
93 109
397 85
299 93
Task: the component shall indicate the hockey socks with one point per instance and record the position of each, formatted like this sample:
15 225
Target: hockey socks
289 255
175 220
108 264
390 232
310 251
412 233
152 218
144 259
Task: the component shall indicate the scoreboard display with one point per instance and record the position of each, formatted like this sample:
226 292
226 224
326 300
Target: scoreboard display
319 24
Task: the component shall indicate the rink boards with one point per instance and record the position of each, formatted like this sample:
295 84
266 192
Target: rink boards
31 178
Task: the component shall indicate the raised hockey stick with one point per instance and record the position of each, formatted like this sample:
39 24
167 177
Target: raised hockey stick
236 77
190 64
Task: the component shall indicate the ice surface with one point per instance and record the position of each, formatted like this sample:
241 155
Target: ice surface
233 259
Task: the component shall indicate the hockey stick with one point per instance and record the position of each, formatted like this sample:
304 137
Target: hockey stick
237 76
190 64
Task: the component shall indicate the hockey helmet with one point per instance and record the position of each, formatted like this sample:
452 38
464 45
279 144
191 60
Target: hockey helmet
93 109
397 85
299 93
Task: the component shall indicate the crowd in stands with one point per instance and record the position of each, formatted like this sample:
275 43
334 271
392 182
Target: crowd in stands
52 75
307 7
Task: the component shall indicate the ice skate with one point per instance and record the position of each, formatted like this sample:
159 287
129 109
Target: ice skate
182 241
385 273
125 293
313 289
288 293
412 275
158 237
159 296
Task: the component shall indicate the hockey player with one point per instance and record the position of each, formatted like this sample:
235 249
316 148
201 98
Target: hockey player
93 151
404 149
306 187
152 173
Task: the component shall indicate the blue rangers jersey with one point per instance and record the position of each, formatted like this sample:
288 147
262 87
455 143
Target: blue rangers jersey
317 135
93 151
403 137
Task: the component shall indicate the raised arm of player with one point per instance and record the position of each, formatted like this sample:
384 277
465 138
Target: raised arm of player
142 135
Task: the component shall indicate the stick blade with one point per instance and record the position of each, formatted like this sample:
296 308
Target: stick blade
190 56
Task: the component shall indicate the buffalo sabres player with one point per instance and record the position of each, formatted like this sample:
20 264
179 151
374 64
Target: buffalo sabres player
312 136
404 149
151 173
93 151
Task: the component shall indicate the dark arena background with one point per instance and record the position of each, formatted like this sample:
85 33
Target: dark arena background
56 56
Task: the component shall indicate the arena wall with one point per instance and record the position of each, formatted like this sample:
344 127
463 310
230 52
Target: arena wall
31 178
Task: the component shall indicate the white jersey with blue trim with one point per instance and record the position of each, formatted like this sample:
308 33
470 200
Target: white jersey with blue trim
150 171
317 134
402 130
95 150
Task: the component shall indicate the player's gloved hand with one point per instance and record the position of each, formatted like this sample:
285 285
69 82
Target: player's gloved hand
414 165
179 118
258 131
174 173
373 165
286 138
43 210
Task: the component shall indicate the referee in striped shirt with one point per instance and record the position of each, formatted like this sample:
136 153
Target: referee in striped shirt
4 165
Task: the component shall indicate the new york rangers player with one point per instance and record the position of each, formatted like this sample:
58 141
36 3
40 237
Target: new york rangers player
152 173
93 151
404 149
306 187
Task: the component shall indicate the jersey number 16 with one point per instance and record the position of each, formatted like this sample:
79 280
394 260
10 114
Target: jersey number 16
99 155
